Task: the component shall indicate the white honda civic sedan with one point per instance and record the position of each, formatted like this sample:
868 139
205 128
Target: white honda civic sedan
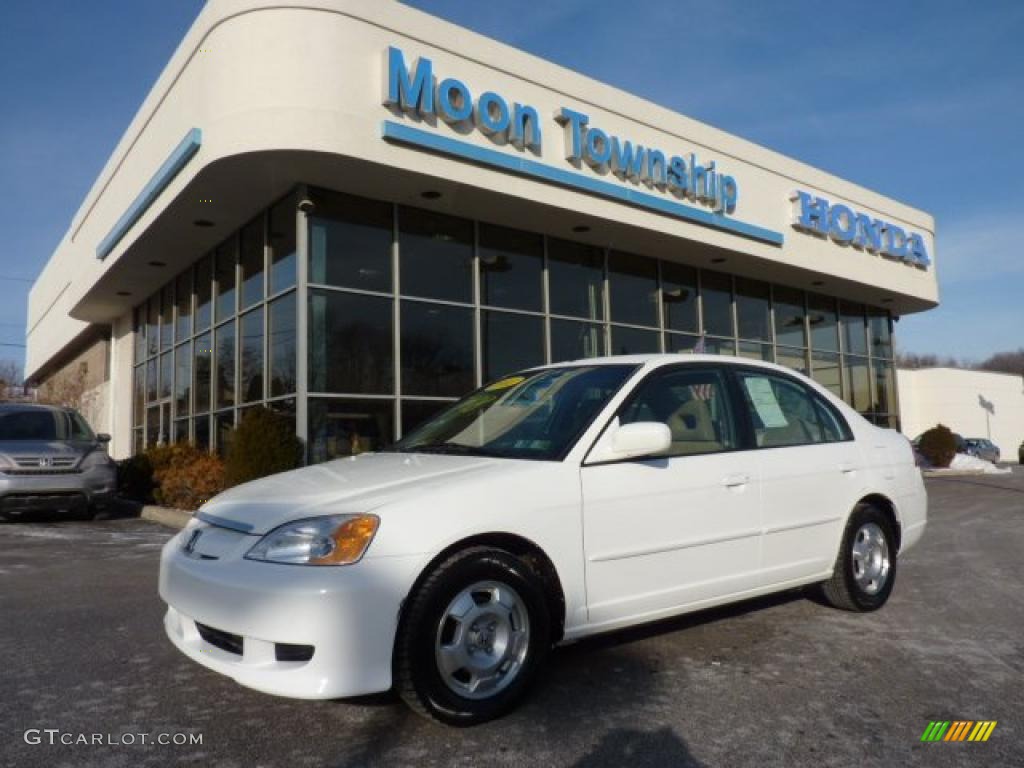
548 506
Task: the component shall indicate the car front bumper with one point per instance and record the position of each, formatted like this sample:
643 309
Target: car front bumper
347 614
44 492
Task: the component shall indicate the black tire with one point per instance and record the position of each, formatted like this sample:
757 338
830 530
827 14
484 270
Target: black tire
418 678
843 590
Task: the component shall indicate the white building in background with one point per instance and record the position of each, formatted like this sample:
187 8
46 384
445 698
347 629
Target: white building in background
973 403
354 213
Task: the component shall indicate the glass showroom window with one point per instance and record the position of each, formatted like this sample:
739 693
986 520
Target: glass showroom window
435 255
754 319
251 262
183 307
281 244
351 347
510 341
633 296
388 348
716 299
884 405
437 350
204 293
166 315
153 326
346 427
679 298
633 289
575 280
573 340
789 312
205 359
250 356
350 242
823 321
511 269
753 310
282 359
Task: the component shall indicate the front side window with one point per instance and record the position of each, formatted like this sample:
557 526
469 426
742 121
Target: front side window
785 413
532 415
693 403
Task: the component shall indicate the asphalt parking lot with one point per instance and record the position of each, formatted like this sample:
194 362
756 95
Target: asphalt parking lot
782 681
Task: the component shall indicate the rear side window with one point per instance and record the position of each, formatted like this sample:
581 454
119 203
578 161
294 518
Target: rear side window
693 403
79 428
785 413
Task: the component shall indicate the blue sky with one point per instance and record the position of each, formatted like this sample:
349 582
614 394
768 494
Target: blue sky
921 101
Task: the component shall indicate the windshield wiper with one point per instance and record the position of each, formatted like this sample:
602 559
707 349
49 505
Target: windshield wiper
453 449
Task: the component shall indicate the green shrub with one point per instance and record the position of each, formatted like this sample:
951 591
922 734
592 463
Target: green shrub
938 446
264 443
135 478
186 476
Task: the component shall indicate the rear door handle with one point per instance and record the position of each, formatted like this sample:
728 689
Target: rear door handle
735 481
847 469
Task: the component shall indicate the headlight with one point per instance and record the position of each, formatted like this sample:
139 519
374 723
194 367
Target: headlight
97 458
331 540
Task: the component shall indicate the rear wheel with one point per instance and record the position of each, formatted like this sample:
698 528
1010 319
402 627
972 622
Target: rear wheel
865 569
472 637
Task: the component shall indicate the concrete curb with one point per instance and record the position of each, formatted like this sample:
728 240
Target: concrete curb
962 473
172 518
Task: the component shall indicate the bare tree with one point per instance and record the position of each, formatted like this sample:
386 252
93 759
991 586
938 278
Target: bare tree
912 360
10 378
1005 362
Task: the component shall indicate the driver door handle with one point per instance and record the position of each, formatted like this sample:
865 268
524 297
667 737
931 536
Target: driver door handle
735 481
847 468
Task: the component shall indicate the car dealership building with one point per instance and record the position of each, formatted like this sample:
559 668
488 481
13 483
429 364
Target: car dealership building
355 212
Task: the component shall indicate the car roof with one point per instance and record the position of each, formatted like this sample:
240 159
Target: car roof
14 407
668 358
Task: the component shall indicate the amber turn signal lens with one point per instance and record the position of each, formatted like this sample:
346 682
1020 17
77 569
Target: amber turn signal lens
351 539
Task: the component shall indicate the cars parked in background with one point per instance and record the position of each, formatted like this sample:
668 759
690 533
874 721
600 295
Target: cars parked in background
50 459
554 504
983 448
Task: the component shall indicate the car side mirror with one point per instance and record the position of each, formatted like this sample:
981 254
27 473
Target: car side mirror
641 438
102 437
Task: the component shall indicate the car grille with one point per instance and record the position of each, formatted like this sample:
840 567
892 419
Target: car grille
44 465
218 638
235 644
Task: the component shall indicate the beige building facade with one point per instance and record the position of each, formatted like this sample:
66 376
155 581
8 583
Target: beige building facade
355 212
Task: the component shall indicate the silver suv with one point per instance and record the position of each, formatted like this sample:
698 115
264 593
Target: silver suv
51 460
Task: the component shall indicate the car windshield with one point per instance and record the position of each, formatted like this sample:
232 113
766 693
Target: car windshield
43 425
532 415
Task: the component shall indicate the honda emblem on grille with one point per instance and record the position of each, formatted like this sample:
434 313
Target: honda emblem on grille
45 461
190 545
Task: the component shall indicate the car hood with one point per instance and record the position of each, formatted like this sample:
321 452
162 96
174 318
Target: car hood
357 484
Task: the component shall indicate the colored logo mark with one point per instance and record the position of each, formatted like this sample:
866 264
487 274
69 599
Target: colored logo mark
958 730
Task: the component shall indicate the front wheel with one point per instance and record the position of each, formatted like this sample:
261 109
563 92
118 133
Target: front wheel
865 569
472 637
